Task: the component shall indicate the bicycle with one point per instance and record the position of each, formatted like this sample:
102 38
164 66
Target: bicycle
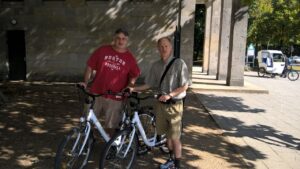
292 74
76 146
124 145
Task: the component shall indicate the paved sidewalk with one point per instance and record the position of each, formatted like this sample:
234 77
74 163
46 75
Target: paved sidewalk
36 116
260 119
259 125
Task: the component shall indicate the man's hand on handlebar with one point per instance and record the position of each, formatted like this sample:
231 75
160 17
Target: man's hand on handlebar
83 84
127 91
164 98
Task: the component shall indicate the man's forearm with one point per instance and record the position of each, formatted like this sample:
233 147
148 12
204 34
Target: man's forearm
141 88
131 82
87 74
178 90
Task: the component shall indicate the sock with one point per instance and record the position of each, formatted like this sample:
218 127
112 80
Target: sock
171 155
177 162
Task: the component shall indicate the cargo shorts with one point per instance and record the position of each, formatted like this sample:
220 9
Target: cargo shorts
108 112
169 119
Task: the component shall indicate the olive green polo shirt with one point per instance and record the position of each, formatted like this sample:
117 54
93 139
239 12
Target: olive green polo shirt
176 76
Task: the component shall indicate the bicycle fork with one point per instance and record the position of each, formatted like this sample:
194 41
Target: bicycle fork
124 148
85 133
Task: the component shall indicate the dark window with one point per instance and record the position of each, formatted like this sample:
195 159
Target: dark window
141 0
129 0
12 0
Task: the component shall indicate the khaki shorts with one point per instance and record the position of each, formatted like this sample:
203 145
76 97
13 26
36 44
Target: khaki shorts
108 112
169 119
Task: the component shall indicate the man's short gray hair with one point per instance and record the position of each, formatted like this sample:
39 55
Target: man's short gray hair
122 30
165 37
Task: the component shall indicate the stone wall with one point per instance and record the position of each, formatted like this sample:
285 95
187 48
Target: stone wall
61 35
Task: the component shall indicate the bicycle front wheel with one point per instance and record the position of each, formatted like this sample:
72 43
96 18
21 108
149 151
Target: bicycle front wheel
68 155
120 151
293 75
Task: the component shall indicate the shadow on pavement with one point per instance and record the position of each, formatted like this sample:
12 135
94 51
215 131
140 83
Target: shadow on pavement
36 117
225 103
238 129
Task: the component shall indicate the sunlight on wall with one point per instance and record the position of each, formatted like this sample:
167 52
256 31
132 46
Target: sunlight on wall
5 11
24 104
14 112
113 12
11 129
2 126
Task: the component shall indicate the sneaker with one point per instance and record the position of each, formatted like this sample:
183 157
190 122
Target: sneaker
169 164
174 167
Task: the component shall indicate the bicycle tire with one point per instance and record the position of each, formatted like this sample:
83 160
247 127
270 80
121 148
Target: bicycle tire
111 156
73 160
261 72
148 122
293 75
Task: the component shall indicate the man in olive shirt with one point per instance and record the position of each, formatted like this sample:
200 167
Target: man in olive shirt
173 86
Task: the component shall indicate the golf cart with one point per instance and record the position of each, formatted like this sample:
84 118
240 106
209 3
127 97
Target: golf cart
270 62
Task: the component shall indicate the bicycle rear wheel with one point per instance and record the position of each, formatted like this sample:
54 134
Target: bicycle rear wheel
119 152
68 157
293 75
148 122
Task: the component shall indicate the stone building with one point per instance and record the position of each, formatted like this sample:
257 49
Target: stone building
51 40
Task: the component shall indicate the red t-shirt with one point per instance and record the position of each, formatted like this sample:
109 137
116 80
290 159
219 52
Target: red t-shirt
113 70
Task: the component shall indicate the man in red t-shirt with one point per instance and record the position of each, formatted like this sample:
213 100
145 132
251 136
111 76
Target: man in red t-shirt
114 68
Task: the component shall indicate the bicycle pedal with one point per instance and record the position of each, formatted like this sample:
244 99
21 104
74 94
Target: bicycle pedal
143 150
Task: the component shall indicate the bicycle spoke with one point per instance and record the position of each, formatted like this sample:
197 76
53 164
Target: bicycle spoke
68 156
120 155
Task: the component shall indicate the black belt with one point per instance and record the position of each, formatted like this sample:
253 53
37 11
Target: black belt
171 101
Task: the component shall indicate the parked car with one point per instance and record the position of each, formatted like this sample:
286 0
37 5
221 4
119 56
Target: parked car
295 59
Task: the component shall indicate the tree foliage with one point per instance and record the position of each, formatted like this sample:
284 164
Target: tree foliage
274 23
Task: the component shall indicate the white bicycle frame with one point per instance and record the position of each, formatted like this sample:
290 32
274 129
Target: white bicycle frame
136 123
91 118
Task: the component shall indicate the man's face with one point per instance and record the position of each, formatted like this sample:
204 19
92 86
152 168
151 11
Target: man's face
164 48
120 41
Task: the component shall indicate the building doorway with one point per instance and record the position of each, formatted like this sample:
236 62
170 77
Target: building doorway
199 31
16 54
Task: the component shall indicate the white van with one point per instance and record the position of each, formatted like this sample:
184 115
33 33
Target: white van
270 61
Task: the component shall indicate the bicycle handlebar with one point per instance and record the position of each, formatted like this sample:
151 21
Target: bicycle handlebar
135 96
109 92
126 93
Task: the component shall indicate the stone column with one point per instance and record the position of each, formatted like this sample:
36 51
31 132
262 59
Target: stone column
225 37
237 48
214 37
207 37
187 32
